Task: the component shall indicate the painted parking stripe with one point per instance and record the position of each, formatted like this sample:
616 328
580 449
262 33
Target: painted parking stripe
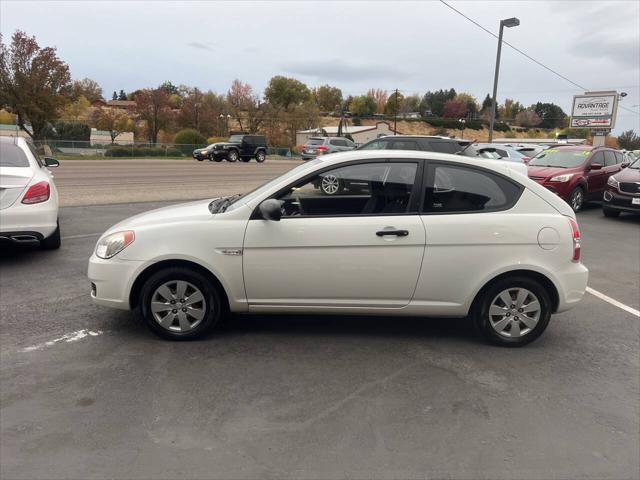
86 235
68 337
613 302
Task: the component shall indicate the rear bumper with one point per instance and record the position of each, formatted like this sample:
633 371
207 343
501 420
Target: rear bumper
571 284
40 219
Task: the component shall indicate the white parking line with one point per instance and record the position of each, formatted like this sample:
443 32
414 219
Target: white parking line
613 302
68 337
86 235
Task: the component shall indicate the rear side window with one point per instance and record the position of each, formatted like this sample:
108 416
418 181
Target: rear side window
375 145
12 156
404 145
338 142
444 147
609 158
457 189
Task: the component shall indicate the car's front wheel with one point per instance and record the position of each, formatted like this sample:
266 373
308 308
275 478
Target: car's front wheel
232 156
576 199
180 304
512 311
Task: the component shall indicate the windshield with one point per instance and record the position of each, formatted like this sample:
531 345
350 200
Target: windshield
236 138
635 165
555 157
12 156
247 197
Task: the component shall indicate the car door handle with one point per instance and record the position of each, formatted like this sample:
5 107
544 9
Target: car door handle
397 233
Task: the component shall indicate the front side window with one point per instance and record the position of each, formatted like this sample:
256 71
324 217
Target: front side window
598 158
379 188
456 189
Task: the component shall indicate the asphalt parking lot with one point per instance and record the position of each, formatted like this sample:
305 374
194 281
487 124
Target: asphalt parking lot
88 392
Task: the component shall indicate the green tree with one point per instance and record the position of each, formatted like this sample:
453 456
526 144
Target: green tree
551 115
86 88
629 140
77 109
114 96
283 92
487 103
434 101
393 104
363 106
509 109
410 103
188 139
169 87
328 98
34 82
121 95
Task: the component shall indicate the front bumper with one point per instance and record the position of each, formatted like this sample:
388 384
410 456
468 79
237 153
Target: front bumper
612 199
112 280
201 156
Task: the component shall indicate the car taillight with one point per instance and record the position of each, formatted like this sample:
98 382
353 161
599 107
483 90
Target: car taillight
526 159
322 148
575 234
37 193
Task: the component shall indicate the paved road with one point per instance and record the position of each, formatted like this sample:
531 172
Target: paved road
87 392
98 182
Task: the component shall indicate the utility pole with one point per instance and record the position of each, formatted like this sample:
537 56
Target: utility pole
395 117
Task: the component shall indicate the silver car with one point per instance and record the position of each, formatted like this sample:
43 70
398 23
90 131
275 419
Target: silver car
317 146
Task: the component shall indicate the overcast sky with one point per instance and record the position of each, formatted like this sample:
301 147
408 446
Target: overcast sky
413 46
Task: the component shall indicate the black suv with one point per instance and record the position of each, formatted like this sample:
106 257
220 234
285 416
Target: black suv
239 147
421 142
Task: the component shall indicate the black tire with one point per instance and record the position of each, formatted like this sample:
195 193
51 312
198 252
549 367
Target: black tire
482 319
53 241
214 159
214 309
199 159
261 156
607 212
232 156
576 199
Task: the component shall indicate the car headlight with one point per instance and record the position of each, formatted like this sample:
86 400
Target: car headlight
114 243
561 178
612 182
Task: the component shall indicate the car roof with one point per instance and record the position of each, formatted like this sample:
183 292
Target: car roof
437 137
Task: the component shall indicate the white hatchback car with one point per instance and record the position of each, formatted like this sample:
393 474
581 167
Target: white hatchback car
408 233
28 196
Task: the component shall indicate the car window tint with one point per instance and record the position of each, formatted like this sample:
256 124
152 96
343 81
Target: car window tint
403 145
444 147
339 142
375 145
609 158
363 189
12 156
461 189
619 157
315 141
598 157
35 153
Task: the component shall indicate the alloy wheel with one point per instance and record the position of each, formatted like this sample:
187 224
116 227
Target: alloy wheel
514 312
178 306
577 199
330 184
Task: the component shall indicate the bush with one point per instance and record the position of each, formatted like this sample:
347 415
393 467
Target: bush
502 127
141 151
72 131
189 139
211 140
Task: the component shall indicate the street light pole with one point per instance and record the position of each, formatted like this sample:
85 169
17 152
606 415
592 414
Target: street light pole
509 22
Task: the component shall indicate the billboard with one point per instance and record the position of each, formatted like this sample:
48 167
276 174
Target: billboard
594 110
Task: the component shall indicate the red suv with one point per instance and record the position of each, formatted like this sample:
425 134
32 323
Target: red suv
576 173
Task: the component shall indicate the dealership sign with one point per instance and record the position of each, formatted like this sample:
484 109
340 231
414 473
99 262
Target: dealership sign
594 110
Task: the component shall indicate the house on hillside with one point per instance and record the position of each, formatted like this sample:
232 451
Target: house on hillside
360 134
122 104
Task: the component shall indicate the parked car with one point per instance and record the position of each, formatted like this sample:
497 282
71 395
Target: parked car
239 147
497 246
622 193
317 146
28 196
577 174
530 150
503 152
426 143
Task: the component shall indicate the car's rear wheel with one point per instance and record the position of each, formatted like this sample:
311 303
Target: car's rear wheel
53 241
512 311
261 156
232 156
576 199
607 212
180 304
330 184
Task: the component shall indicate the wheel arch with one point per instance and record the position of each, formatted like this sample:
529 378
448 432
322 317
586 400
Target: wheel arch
545 281
136 288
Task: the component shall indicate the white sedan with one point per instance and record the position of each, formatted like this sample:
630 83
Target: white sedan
405 233
28 196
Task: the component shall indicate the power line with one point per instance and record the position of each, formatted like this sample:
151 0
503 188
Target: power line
525 54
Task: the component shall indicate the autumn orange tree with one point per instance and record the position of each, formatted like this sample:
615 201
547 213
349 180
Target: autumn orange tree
153 106
34 82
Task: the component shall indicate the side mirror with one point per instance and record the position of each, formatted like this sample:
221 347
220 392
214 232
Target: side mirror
624 164
51 162
271 209
596 166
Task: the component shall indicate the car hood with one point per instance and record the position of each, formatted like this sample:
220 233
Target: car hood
628 175
535 171
198 210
